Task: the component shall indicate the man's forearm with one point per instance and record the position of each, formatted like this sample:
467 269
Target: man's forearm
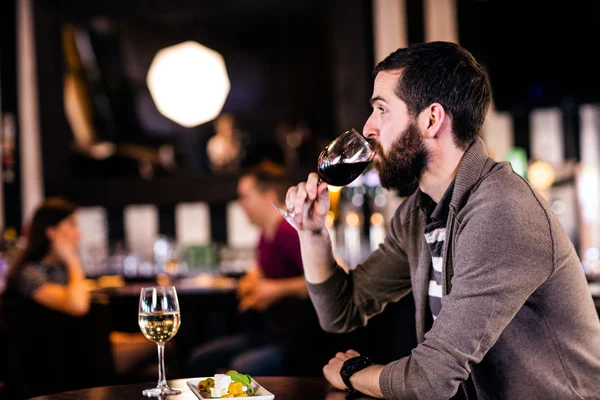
75 271
317 256
366 381
294 287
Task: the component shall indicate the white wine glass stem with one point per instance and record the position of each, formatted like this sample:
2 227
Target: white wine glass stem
162 380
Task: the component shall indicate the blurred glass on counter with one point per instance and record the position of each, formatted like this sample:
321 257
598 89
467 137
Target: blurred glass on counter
94 260
131 265
330 225
235 261
201 258
353 242
591 263
168 258
116 261
376 231
377 198
163 250
93 243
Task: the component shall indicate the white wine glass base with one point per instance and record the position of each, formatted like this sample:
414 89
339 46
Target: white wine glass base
160 391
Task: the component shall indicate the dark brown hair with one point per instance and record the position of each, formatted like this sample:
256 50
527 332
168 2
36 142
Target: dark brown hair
444 73
270 176
50 214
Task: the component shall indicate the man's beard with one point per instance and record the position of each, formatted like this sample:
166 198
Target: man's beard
405 161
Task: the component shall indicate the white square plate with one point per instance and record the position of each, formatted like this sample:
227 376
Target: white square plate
261 392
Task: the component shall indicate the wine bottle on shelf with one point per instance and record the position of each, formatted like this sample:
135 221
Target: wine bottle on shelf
330 225
352 238
376 230
377 224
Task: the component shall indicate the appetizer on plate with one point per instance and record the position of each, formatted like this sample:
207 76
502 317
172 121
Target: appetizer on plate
228 385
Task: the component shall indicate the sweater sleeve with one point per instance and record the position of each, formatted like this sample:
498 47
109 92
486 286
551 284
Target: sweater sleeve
346 301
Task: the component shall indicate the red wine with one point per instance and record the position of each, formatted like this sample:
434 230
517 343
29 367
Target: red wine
341 174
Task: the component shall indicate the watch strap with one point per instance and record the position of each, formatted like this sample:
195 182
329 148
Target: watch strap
351 366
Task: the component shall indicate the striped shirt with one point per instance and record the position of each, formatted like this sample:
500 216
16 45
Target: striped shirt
35 275
435 236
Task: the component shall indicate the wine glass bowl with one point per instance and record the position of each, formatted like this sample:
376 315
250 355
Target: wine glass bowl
344 159
159 320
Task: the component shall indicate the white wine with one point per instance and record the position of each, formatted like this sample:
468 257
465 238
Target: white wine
159 321
159 327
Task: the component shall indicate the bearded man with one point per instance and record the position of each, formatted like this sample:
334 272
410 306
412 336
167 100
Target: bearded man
503 310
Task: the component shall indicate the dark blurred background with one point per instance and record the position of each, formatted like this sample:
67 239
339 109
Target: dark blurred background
300 73
301 63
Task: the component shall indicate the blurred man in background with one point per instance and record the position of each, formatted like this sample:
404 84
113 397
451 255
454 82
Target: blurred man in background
272 294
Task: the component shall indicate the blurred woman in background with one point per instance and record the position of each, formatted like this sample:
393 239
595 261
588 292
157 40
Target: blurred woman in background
55 339
48 270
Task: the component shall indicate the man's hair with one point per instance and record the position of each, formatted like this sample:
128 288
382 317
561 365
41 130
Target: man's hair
270 176
444 73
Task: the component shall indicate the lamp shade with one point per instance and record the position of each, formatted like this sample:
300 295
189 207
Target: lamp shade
188 83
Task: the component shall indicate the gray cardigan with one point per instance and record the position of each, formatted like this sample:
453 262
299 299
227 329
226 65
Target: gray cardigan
516 312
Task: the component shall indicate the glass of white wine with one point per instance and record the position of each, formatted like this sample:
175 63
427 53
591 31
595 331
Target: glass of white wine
159 321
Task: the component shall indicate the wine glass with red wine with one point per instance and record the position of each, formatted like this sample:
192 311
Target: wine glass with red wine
340 163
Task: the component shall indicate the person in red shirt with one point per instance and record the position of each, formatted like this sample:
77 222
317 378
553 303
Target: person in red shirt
272 292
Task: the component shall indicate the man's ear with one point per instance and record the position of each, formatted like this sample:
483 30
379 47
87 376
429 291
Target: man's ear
50 233
431 120
272 196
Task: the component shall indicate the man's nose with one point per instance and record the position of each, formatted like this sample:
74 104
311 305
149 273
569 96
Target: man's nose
370 130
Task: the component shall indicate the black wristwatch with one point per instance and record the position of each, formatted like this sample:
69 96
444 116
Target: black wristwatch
351 366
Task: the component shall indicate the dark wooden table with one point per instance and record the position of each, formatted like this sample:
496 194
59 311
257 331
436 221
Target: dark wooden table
284 388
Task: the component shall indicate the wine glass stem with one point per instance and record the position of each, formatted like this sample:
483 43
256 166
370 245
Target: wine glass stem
162 381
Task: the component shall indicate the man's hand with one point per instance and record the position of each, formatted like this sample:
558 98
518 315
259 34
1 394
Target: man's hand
309 201
333 368
65 247
248 281
366 381
262 294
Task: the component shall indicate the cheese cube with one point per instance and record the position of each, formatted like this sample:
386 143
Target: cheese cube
222 382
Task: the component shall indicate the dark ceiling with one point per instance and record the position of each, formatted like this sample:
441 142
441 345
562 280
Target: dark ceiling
538 53
167 11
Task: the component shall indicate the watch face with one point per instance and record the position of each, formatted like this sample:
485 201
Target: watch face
355 364
357 360
352 361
